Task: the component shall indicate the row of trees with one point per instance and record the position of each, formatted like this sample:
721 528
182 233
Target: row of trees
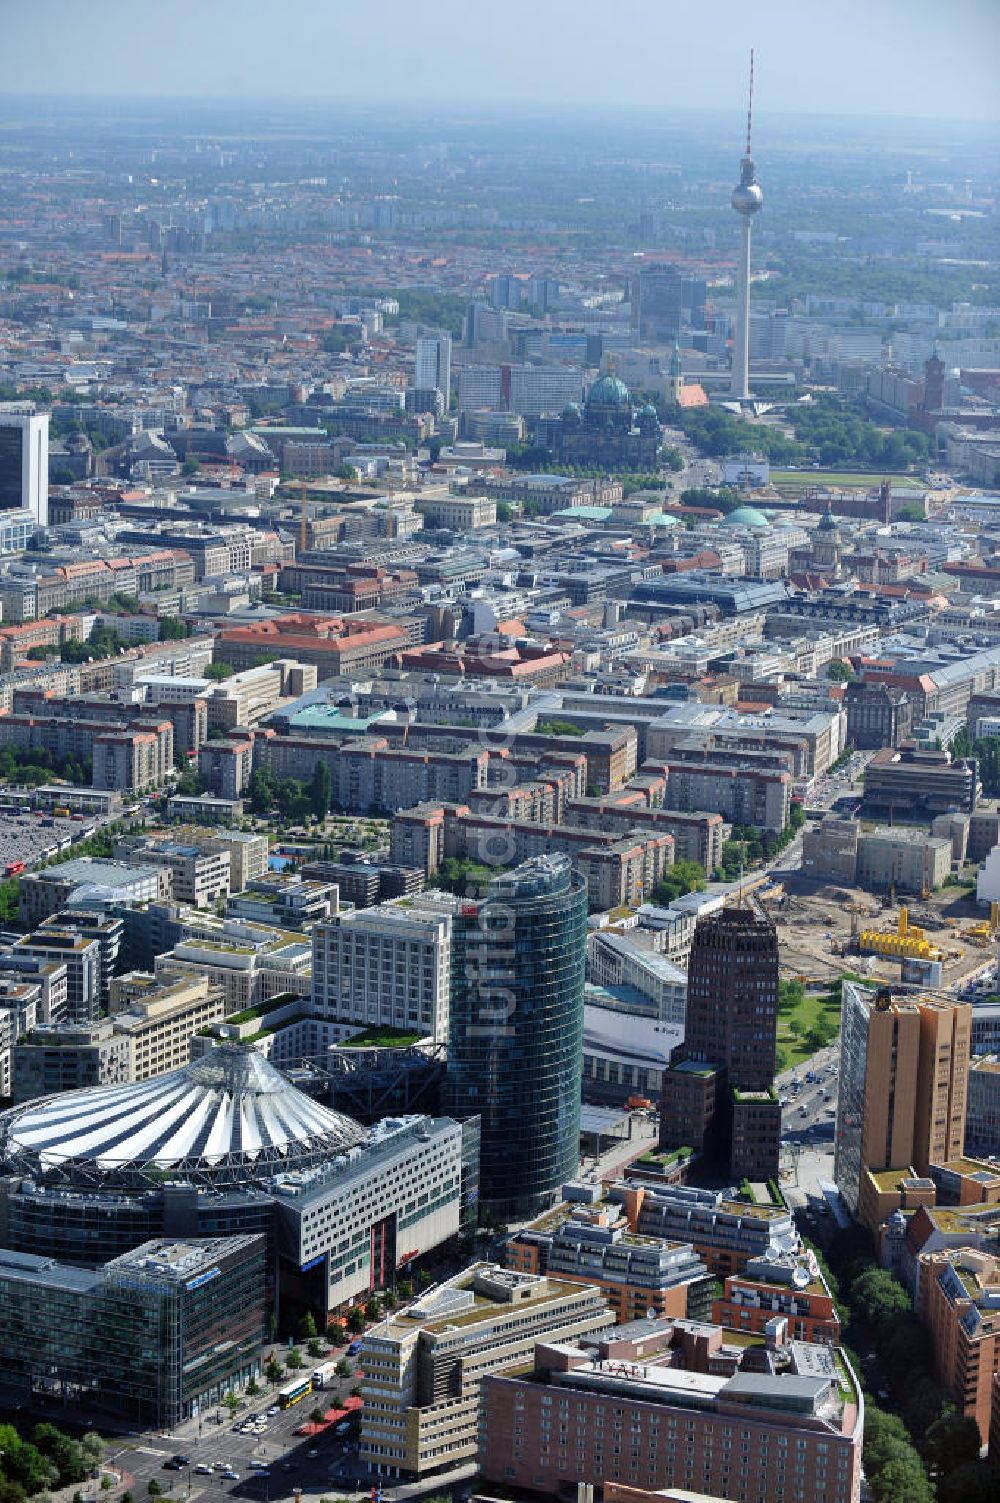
35 765
51 1458
290 797
986 750
748 847
928 1449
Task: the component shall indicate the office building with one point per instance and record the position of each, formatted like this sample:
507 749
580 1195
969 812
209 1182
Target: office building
726 1234
678 1420
84 970
433 365
665 301
158 1334
227 1146
515 1042
424 1368
67 1057
904 1065
718 1096
387 967
160 1015
642 1278
982 1115
24 461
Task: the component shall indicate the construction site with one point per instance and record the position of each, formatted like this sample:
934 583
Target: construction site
823 929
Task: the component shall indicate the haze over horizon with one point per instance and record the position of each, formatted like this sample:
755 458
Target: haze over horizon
902 58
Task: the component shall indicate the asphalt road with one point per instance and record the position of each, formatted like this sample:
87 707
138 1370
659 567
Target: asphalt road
213 1438
810 1112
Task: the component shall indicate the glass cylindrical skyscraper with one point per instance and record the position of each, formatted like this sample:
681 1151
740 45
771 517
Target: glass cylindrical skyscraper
515 1046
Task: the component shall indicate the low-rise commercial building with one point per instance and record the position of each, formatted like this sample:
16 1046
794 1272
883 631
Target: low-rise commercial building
424 1369
42 893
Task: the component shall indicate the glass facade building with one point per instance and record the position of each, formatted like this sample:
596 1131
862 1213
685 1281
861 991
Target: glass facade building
159 1334
515 1054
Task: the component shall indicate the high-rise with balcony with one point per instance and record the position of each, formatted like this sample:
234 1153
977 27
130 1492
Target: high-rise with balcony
515 1055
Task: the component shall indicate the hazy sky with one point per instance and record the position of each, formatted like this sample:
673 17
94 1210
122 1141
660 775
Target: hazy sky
897 57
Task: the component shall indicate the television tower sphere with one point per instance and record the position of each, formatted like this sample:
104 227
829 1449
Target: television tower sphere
748 196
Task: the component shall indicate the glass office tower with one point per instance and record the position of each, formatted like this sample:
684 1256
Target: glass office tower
515 1049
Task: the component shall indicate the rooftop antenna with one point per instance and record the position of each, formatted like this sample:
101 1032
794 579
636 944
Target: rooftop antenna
750 103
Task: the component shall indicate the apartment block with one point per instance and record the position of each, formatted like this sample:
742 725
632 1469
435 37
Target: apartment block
786 1285
387 967
424 1369
641 1277
959 1301
726 1234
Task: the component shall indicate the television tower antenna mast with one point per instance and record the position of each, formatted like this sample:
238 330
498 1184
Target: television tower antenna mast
747 199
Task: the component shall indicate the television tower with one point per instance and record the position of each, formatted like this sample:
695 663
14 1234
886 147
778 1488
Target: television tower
747 200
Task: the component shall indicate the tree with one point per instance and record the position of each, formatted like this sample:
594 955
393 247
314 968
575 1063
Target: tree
253 1388
191 466
173 629
320 799
313 1347
231 1402
903 1480
505 512
343 1368
65 1454
879 1299
356 1319
972 1482
307 1326
373 1309
316 1415
219 671
294 1360
951 1441
840 672
681 878
153 1487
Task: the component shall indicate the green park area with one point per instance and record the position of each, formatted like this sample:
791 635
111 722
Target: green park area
807 1021
860 479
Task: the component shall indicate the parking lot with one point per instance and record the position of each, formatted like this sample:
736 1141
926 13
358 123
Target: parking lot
33 837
